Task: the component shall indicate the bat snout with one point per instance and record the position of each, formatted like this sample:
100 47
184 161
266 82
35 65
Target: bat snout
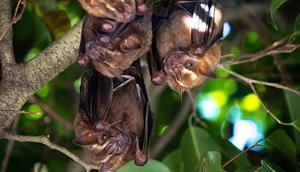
118 144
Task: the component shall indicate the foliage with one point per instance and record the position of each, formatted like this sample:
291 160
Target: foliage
234 117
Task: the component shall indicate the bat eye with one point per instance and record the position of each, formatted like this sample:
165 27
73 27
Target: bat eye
189 65
104 137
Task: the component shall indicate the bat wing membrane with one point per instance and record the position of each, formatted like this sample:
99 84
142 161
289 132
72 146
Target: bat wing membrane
95 96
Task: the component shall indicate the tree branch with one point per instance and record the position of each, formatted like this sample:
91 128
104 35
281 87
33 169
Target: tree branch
253 81
6 50
278 47
45 141
9 147
23 80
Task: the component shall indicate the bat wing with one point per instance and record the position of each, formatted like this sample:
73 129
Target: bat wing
133 91
207 22
148 120
95 96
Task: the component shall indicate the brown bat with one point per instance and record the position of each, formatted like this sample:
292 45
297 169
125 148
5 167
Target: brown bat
114 122
112 46
186 45
117 10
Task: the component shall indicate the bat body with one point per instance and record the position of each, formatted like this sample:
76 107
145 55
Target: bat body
114 122
112 46
186 46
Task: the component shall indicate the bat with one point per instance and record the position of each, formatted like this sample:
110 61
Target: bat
114 121
117 10
187 43
112 49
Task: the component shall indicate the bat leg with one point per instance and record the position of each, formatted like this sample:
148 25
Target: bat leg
157 75
141 156
94 51
141 6
83 60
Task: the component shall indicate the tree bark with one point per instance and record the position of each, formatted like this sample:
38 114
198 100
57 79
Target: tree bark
19 81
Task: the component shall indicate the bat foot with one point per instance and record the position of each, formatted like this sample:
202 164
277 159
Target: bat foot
158 79
108 26
141 157
141 9
83 61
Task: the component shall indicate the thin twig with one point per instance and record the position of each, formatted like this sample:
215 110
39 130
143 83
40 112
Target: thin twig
253 81
227 55
240 153
194 111
45 141
9 147
201 169
21 112
15 18
278 47
54 115
267 109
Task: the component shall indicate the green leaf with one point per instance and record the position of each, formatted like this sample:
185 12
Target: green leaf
292 101
281 141
174 161
275 5
44 91
296 124
151 166
269 167
297 26
77 84
261 169
194 143
252 42
38 167
212 162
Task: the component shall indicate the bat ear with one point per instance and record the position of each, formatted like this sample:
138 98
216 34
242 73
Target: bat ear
86 138
204 69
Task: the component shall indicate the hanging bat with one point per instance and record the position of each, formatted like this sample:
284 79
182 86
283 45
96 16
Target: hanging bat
117 10
113 49
186 45
114 122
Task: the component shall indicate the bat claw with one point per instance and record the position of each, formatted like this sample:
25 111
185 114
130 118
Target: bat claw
158 80
108 26
140 156
83 61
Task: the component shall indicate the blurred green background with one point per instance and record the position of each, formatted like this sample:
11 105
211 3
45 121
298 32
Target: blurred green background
232 118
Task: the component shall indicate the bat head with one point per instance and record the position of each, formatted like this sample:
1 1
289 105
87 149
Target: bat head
185 70
104 139
112 59
118 10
